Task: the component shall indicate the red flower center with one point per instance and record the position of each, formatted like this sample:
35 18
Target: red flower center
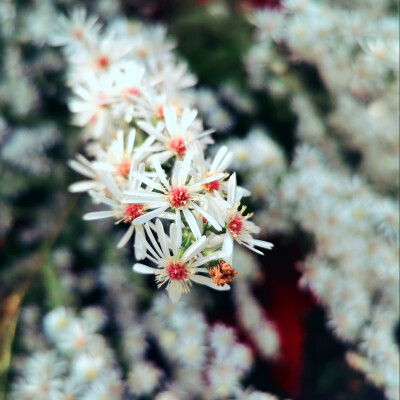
159 112
211 186
77 33
132 91
178 196
177 146
103 62
132 211
123 168
235 225
176 271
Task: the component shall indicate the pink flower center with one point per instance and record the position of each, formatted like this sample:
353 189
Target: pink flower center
103 62
159 112
176 271
132 211
123 168
178 196
130 92
235 225
177 146
141 52
211 186
77 34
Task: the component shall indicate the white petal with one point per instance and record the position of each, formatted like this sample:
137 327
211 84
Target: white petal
195 248
148 216
125 238
131 141
162 239
207 216
157 166
98 215
204 280
174 291
211 179
144 269
253 249
147 181
218 158
192 223
176 240
223 166
178 223
210 257
153 241
82 169
109 182
232 189
83 186
227 247
103 199
261 243
151 130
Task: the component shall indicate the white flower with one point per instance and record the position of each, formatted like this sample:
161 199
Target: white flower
178 270
237 226
121 154
122 211
78 28
177 136
57 321
143 378
177 194
91 104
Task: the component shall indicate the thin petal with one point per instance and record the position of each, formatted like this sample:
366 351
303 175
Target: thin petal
210 257
192 223
125 238
195 248
148 216
98 215
204 280
144 269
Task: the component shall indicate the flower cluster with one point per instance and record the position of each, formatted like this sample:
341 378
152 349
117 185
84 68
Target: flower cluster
146 146
71 359
350 207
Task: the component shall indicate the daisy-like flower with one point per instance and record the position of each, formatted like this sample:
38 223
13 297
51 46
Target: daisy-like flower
181 193
176 269
99 57
128 80
238 227
91 105
178 133
122 212
77 28
121 154
204 169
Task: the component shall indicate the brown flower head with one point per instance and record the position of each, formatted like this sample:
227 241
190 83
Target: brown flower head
222 273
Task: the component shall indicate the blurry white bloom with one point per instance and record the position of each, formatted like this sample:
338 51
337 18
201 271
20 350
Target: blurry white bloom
143 379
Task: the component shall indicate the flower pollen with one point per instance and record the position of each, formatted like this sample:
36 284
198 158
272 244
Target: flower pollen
211 186
176 271
132 211
123 168
177 146
178 197
103 62
235 225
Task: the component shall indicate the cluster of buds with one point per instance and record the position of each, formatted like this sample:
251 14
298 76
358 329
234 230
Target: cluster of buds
147 162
